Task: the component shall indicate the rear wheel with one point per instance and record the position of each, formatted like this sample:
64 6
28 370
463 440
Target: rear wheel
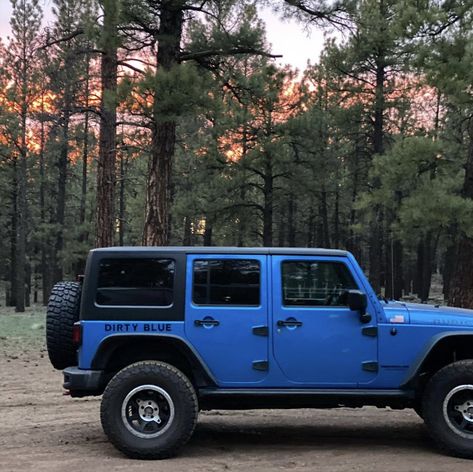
149 410
62 313
448 408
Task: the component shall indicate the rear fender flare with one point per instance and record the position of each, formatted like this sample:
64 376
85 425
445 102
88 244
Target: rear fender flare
113 342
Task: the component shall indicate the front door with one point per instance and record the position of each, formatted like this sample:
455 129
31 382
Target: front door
318 340
226 303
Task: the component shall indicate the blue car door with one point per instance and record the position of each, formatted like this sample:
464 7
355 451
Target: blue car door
226 306
318 340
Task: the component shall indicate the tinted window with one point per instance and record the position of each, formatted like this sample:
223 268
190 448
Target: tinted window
226 282
315 283
135 282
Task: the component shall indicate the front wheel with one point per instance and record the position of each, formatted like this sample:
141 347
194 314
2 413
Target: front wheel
448 408
149 410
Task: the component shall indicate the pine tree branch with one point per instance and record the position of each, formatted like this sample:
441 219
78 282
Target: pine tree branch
124 63
333 15
189 56
63 39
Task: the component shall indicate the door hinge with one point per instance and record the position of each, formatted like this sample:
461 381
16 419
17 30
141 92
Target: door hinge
371 331
261 365
260 331
370 366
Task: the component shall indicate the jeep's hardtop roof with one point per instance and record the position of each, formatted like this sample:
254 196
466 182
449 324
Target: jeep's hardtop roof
287 251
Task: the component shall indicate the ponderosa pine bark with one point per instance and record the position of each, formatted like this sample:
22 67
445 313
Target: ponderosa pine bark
62 165
22 202
106 173
158 188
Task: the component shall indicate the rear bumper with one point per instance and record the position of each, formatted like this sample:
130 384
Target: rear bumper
81 382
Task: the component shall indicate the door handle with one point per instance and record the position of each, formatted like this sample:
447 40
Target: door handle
206 322
291 322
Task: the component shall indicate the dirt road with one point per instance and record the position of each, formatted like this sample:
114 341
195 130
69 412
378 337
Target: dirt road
42 430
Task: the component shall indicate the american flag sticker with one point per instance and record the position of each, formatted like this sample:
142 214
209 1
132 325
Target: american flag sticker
397 319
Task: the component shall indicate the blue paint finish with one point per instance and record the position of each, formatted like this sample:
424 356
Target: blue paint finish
396 312
230 348
329 348
326 351
95 332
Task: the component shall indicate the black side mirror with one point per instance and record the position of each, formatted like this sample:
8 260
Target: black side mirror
358 301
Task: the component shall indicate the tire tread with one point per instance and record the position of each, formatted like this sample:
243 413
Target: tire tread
150 368
62 313
441 433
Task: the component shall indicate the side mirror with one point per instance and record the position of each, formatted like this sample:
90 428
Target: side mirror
358 301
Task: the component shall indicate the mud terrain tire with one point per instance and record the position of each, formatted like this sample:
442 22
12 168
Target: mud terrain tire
62 313
149 410
448 408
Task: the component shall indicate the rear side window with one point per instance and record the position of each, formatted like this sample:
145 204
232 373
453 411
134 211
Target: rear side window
135 282
226 282
315 283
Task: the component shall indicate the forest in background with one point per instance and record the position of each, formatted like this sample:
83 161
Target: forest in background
169 122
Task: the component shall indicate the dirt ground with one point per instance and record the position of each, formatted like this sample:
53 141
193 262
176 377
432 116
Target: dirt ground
42 430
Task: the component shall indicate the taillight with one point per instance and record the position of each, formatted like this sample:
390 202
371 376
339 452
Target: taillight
77 334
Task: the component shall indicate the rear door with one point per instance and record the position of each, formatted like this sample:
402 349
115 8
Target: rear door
318 340
226 304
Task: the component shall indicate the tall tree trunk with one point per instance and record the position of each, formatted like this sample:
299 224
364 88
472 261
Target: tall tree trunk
323 206
311 224
291 226
105 214
21 237
158 189
336 220
398 269
375 251
122 202
282 227
352 243
268 201
62 165
376 234
449 264
208 232
85 154
156 230
44 246
393 275
22 202
461 285
13 235
187 237
426 255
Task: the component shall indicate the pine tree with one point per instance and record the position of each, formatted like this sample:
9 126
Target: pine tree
20 66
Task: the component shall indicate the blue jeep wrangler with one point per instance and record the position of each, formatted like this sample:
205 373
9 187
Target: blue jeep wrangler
165 332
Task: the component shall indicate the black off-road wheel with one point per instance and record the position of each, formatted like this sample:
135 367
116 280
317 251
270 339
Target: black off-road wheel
149 410
62 313
448 408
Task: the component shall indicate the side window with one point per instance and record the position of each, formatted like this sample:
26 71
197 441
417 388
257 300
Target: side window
315 283
226 282
135 282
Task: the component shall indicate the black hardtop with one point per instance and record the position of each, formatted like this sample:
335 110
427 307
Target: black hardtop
286 251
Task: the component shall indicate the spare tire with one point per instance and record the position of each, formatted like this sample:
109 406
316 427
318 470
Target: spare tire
62 313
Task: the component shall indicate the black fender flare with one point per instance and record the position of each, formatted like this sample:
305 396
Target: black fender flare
113 342
414 370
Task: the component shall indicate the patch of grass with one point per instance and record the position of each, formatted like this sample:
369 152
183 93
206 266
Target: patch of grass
22 331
